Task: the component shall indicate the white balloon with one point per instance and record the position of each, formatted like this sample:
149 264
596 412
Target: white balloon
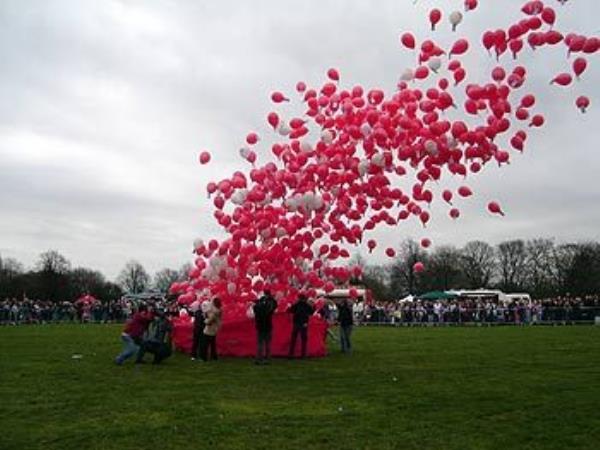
365 129
284 129
435 64
244 152
407 75
455 19
363 166
305 147
378 159
431 147
327 136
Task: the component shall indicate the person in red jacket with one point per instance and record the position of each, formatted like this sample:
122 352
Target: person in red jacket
133 333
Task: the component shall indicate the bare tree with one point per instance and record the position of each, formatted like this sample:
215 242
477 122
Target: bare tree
53 262
512 260
444 271
403 277
10 267
134 278
163 279
478 264
563 259
539 254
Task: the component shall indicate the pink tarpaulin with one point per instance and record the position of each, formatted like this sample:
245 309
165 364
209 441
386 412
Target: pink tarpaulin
238 337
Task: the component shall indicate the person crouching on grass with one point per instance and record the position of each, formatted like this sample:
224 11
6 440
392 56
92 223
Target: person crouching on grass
212 325
133 333
159 339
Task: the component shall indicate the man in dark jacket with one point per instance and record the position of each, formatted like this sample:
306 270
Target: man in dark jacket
346 321
302 312
158 341
199 323
264 309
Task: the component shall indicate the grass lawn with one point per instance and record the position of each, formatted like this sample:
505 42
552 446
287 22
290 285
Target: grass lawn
403 388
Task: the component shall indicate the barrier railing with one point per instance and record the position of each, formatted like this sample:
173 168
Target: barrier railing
501 316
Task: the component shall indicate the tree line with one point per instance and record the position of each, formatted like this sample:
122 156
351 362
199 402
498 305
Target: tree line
539 267
53 278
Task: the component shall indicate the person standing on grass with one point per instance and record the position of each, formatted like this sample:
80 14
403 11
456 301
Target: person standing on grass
133 333
211 327
199 323
302 312
345 319
264 309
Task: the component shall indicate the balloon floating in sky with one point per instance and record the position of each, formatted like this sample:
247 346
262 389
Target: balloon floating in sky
356 159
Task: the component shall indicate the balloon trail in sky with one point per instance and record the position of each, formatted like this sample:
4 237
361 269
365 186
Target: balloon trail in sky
291 222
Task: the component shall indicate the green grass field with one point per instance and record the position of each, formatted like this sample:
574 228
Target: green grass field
456 388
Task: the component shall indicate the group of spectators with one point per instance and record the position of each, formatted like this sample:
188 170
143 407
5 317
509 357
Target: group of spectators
560 310
18 312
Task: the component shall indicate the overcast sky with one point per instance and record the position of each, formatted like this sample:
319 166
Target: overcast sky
105 106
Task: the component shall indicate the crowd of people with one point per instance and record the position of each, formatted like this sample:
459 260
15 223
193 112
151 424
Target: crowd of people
561 310
26 311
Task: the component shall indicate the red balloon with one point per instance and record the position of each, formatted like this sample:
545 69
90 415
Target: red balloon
447 195
579 66
425 243
252 138
435 15
418 267
583 103
460 47
273 119
408 40
549 16
390 252
464 191
564 79
204 158
494 208
470 5
278 97
333 74
454 213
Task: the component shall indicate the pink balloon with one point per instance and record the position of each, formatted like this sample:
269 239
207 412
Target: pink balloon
278 97
204 158
408 40
435 15
418 267
564 79
579 66
583 103
460 47
494 208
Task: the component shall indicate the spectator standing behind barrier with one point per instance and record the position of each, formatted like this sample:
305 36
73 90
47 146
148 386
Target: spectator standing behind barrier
302 312
213 323
263 310
346 321
158 341
133 333
199 324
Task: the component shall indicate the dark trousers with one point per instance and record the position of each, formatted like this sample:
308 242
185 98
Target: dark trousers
301 330
263 344
208 342
160 351
197 343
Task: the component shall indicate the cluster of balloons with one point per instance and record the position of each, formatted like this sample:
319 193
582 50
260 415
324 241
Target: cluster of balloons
288 221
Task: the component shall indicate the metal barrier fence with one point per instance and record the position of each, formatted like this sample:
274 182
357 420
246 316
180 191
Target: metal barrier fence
499 316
